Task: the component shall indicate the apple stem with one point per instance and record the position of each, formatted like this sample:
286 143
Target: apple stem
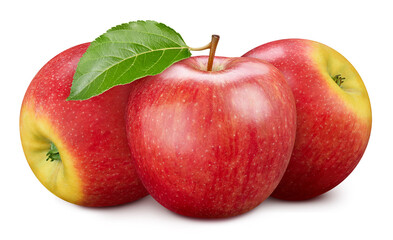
212 53
212 46
53 154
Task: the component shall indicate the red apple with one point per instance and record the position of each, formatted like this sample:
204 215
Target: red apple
333 115
78 149
214 143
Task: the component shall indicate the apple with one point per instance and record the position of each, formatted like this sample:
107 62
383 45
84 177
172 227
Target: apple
333 115
211 144
78 149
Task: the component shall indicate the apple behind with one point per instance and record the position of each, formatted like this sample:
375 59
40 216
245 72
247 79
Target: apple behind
78 149
333 115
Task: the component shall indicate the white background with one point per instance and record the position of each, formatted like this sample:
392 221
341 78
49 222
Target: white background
32 32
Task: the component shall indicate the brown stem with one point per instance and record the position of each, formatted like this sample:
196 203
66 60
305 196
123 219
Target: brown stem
212 53
212 46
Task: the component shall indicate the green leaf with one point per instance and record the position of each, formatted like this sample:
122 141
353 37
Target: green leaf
125 53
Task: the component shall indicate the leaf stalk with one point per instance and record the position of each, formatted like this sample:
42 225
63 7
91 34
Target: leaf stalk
212 46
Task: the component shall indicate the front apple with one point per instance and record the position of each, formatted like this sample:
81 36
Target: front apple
333 115
211 143
78 149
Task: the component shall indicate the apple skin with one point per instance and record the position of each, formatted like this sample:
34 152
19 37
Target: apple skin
333 122
211 144
95 167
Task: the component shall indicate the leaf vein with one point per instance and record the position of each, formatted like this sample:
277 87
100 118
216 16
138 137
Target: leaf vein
162 54
124 72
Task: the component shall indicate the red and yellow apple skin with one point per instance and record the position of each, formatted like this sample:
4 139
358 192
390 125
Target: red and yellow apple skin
212 144
333 122
95 168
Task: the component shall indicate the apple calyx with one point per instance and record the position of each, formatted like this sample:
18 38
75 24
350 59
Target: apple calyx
212 46
53 153
338 79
